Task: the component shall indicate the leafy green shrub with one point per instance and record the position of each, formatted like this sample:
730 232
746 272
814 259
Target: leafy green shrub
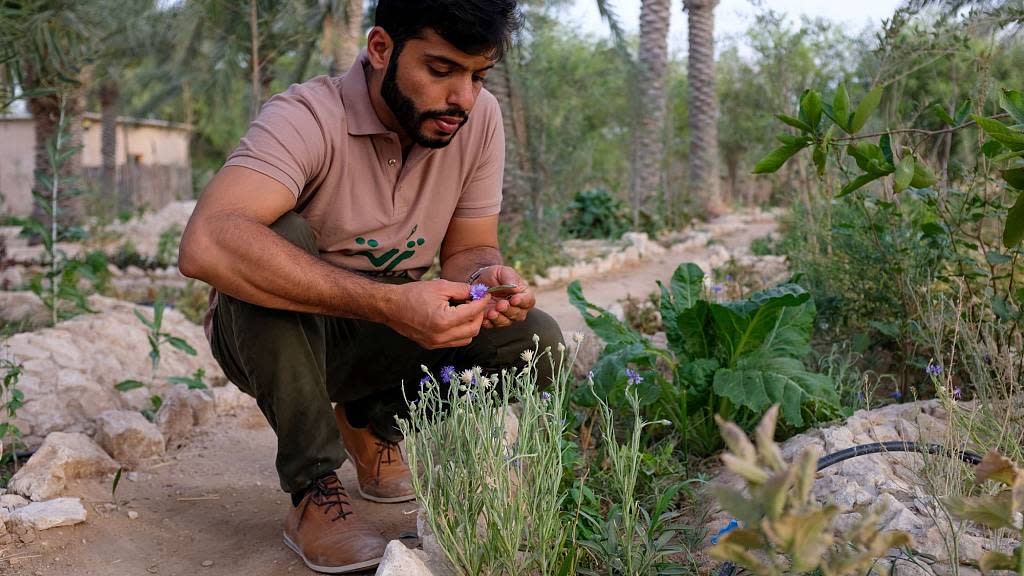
931 240
596 213
732 359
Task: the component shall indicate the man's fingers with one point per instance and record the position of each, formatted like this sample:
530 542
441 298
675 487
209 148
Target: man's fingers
454 290
470 310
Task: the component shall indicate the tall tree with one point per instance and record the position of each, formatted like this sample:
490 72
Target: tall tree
703 104
648 138
342 31
45 48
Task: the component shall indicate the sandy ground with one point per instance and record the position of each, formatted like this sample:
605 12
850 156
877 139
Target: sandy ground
216 498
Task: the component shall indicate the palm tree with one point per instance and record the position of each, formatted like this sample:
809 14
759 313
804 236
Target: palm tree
703 104
342 30
648 145
44 50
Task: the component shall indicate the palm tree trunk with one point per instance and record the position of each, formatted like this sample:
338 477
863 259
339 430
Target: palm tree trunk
519 170
342 31
648 143
703 105
110 95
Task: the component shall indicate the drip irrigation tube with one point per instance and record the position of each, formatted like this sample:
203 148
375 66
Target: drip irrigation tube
972 458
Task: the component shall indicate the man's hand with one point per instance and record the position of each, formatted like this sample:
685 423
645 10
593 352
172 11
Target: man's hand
423 314
502 311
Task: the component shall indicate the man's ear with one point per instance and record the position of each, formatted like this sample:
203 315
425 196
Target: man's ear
378 48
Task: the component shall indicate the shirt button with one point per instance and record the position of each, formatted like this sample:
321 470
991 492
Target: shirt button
392 162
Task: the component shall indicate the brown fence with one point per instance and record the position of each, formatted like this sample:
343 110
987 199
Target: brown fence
138 186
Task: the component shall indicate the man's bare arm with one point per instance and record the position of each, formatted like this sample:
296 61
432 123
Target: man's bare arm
229 245
469 244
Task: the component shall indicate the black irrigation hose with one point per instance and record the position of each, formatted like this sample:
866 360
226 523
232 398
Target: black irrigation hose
973 458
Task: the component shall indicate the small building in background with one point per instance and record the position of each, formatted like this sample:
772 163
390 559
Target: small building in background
153 166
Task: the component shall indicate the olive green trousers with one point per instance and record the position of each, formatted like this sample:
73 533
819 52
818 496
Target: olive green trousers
296 365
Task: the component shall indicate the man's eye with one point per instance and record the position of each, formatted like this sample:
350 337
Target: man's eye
439 73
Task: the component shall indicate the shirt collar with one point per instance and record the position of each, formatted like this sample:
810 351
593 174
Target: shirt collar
361 117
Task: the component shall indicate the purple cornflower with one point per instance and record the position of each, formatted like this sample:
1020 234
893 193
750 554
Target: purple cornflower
896 394
545 396
728 277
448 374
424 381
477 291
634 376
956 393
717 289
934 369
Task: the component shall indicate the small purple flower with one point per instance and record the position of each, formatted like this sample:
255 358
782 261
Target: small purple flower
477 291
717 289
424 381
728 277
956 393
934 369
896 394
634 376
545 396
448 374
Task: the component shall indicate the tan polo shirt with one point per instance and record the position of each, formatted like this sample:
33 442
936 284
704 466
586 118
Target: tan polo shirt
370 210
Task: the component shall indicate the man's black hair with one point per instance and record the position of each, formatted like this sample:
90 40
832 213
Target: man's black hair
474 26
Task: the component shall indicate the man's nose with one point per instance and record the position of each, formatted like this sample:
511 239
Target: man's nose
462 95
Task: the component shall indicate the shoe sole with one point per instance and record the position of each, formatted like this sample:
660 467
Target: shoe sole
391 500
331 569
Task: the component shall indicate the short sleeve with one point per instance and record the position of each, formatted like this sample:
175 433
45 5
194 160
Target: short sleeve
481 196
286 141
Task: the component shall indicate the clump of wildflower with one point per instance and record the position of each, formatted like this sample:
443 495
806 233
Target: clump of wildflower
545 396
934 369
477 291
956 393
448 374
526 355
468 377
634 376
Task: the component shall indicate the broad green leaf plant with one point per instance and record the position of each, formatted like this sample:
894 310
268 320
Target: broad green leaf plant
732 359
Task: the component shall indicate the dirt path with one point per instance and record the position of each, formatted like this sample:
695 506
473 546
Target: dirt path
639 280
217 499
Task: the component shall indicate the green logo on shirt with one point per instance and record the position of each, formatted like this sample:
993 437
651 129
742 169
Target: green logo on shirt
391 258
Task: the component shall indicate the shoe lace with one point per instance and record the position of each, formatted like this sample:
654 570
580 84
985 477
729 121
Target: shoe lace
329 493
385 449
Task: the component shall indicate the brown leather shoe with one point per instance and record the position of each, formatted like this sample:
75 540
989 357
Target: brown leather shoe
383 474
327 535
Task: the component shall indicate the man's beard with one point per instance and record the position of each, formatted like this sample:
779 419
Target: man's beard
411 119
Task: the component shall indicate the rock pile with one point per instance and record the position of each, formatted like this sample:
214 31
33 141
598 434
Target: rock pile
69 371
897 481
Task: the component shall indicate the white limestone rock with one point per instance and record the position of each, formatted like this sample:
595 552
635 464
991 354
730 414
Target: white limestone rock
50 514
129 437
62 457
399 560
